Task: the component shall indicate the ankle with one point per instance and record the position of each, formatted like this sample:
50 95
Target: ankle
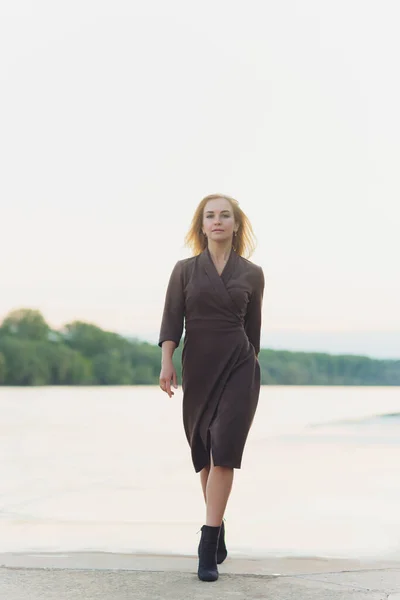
211 528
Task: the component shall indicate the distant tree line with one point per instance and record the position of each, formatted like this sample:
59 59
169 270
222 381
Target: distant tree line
31 353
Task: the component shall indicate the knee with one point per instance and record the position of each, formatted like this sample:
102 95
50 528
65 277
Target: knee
223 471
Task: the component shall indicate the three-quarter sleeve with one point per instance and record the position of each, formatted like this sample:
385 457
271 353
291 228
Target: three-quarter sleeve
174 308
254 312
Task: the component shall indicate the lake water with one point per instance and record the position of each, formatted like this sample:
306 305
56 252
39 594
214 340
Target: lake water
109 469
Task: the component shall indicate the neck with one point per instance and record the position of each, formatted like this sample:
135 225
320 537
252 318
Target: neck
220 251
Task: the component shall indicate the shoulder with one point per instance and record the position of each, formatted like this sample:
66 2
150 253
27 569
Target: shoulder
186 262
182 269
183 263
254 269
254 273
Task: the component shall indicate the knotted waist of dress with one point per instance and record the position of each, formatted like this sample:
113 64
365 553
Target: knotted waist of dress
214 324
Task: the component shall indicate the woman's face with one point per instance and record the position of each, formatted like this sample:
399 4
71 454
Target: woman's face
218 220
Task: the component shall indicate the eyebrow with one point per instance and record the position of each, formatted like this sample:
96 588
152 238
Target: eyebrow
211 211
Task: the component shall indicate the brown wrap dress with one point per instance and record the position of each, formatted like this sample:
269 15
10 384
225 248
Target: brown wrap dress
220 368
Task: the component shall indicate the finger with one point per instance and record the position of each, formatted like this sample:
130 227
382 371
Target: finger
174 380
168 388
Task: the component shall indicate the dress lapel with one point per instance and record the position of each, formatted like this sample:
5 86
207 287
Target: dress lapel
219 281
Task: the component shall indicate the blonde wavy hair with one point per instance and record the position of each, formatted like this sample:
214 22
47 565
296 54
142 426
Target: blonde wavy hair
244 242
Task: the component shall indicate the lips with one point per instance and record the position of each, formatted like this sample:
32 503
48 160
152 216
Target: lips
217 230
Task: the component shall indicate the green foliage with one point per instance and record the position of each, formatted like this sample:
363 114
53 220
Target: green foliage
90 340
3 369
25 324
112 368
31 353
312 368
25 365
30 362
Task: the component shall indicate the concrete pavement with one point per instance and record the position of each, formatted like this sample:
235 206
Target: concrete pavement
107 576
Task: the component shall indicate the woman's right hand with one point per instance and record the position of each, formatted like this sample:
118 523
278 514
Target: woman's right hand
168 375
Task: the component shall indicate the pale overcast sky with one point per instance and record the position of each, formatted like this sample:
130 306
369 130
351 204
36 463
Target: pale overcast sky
117 117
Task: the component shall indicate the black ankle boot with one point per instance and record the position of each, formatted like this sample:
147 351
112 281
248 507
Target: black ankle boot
208 570
222 552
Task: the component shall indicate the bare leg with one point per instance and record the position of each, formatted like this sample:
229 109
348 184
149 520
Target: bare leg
203 479
218 489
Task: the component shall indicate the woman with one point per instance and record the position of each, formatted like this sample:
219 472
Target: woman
219 294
